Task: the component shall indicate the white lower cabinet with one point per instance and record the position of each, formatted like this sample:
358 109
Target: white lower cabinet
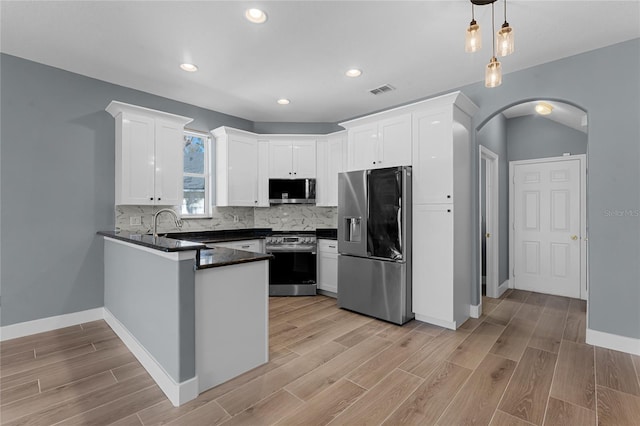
255 245
328 265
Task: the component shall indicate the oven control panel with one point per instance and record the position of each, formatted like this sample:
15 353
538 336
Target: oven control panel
290 239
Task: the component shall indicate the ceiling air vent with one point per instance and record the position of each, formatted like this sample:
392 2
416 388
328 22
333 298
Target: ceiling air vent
382 89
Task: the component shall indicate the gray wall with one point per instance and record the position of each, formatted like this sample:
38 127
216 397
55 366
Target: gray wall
494 137
537 137
613 108
154 298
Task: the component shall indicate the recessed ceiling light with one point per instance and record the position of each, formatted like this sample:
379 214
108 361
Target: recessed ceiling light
283 101
544 108
256 16
354 72
189 67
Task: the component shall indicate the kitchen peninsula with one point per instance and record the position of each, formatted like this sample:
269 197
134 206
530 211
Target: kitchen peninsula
194 316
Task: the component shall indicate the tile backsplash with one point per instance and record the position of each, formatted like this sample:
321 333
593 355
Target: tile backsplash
280 218
295 217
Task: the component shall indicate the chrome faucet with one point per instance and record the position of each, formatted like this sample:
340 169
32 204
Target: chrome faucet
176 220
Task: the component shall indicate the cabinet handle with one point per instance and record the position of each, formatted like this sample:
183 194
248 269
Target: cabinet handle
159 198
448 210
245 246
374 162
151 198
448 196
332 246
295 173
289 172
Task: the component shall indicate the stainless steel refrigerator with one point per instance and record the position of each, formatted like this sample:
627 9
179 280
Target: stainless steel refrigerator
374 243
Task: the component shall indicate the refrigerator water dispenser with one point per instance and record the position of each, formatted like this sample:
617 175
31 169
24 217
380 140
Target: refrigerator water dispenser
352 228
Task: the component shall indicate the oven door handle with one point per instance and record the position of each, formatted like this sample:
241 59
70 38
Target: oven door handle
286 250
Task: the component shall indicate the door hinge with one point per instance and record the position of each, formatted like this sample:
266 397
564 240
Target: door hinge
513 272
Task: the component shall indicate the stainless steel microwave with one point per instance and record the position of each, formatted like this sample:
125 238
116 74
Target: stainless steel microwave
292 191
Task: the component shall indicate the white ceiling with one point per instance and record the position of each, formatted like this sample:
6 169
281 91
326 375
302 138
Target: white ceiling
302 51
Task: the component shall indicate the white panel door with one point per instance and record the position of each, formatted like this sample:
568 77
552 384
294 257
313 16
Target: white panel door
169 167
546 222
395 141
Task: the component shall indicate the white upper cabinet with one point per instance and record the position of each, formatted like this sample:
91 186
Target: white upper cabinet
395 141
331 156
380 143
148 155
237 168
432 157
292 159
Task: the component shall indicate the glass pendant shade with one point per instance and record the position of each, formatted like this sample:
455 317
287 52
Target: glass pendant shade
505 40
493 74
473 37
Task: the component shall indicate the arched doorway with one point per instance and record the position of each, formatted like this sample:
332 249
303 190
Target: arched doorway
514 133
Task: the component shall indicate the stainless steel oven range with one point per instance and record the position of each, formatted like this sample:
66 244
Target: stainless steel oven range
292 271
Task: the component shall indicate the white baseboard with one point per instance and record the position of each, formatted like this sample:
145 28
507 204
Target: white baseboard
503 287
613 341
436 321
42 325
178 393
475 311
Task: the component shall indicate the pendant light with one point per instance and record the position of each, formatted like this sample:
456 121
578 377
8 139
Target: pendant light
493 73
473 36
505 36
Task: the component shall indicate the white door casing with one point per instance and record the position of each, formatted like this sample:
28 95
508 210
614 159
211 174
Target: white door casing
492 216
547 214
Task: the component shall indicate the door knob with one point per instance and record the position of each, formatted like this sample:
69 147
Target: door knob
488 235
574 237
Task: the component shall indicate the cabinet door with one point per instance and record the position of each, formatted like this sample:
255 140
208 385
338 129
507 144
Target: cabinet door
328 265
242 171
395 141
335 158
135 144
322 173
263 173
432 278
168 163
280 158
432 157
304 159
363 147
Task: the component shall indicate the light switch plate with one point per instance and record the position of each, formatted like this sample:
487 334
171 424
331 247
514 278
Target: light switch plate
135 220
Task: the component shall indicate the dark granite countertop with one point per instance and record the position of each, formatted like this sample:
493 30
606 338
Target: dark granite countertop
157 243
222 236
206 257
220 256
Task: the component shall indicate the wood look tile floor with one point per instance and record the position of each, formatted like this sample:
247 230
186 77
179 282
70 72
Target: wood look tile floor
524 362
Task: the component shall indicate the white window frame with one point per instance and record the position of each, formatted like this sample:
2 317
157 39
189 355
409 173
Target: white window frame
206 175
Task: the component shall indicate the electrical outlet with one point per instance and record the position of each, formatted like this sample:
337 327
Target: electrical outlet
135 220
235 218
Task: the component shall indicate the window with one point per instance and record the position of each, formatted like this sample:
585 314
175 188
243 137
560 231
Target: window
196 200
